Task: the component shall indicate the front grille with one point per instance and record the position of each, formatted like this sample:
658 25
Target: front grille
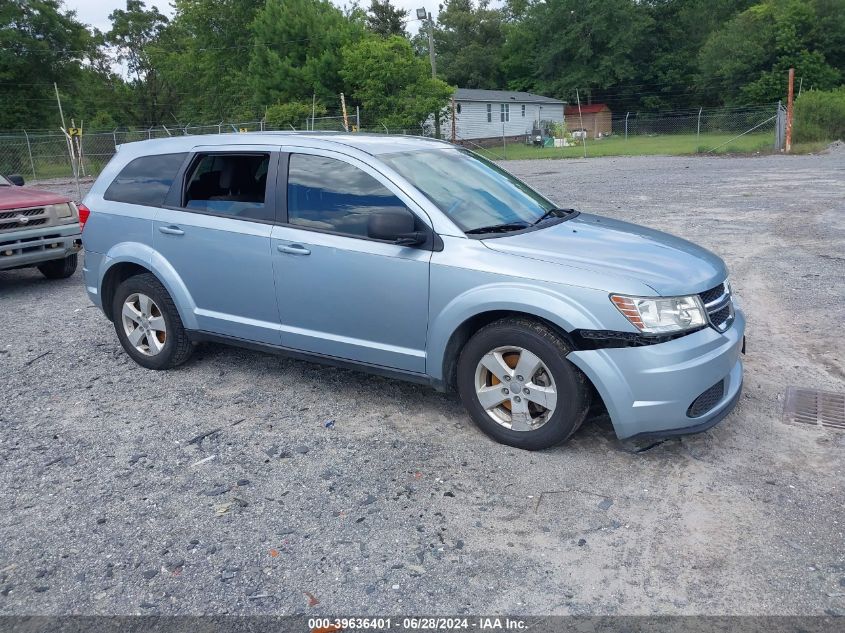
707 400
22 219
711 295
719 306
5 215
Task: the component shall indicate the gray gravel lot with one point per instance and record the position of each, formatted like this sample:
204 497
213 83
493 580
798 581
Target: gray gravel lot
107 506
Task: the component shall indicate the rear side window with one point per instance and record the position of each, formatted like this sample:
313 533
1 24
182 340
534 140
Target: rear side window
146 180
229 184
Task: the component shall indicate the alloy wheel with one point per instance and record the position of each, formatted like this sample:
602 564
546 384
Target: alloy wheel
144 324
515 388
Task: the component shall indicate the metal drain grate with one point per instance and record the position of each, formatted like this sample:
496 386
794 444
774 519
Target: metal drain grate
810 406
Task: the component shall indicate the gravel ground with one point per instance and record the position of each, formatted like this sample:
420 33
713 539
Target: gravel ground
218 488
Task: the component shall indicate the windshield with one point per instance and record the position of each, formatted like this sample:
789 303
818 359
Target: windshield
472 191
4 182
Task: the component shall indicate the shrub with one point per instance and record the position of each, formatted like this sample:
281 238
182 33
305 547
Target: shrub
820 116
293 113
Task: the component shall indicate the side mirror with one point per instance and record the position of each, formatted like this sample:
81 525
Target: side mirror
15 179
396 227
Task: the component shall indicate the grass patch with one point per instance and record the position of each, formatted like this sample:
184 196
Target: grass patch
666 144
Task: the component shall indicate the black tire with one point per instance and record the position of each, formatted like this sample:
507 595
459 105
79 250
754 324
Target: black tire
177 346
59 268
573 389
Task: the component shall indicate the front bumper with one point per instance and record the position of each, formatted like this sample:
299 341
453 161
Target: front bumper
648 390
34 246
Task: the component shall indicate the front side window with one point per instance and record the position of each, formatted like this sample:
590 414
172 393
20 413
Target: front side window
331 195
472 191
229 184
146 180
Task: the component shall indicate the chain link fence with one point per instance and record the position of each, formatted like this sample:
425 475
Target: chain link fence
40 155
678 132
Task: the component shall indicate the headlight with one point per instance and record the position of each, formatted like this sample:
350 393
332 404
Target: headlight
62 210
657 315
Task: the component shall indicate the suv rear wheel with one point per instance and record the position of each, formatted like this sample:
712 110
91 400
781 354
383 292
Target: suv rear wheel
59 268
515 381
148 324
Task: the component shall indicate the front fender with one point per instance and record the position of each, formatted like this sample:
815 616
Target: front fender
149 258
568 311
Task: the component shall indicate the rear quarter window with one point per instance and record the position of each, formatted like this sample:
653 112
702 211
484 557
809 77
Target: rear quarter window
146 180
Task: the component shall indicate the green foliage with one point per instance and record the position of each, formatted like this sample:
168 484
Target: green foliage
294 113
587 45
393 86
206 48
134 33
820 116
230 59
297 50
39 44
746 61
468 40
384 19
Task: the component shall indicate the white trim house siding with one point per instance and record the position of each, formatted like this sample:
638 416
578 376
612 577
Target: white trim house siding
521 112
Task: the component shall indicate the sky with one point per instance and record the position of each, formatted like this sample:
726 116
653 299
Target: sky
96 12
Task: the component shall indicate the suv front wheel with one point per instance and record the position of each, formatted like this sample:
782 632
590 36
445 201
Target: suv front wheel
515 381
148 324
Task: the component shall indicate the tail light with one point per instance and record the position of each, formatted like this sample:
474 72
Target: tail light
84 212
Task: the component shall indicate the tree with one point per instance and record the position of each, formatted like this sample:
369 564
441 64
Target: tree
394 87
589 45
39 44
746 61
206 45
135 32
384 19
296 50
469 40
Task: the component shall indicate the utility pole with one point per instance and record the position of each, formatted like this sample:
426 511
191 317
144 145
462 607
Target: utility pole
422 14
581 120
59 101
454 123
789 96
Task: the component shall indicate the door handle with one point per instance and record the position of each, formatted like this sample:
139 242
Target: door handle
171 230
293 249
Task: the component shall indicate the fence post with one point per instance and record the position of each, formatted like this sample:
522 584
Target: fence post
698 129
29 149
626 125
504 141
114 138
358 117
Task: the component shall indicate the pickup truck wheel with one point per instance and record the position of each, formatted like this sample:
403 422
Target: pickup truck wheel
148 324
59 268
516 384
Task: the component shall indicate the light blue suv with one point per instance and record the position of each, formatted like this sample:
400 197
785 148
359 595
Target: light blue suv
415 259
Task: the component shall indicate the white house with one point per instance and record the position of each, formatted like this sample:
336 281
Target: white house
488 115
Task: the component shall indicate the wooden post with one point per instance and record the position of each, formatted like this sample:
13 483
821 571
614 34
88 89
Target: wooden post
789 95
454 129
345 118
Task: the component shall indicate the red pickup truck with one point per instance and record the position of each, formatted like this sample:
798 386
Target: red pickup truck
38 228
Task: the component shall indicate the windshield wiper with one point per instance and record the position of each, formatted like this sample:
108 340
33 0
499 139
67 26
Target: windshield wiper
498 228
554 212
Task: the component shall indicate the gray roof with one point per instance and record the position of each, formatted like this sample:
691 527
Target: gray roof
369 143
504 96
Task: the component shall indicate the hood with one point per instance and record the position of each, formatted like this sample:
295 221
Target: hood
21 197
667 264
